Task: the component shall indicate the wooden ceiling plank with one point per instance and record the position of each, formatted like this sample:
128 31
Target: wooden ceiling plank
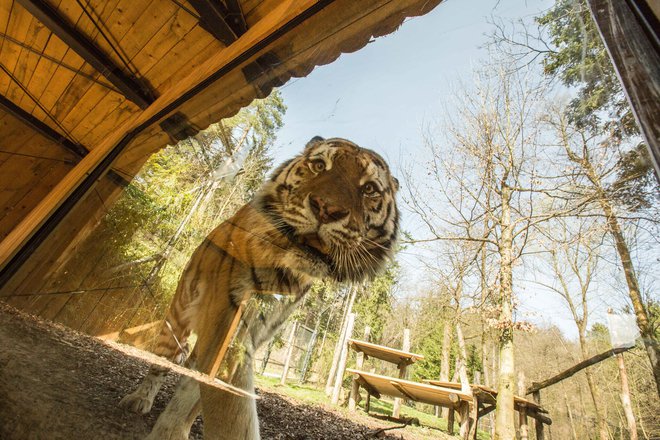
52 79
25 193
145 26
162 77
17 27
162 43
15 249
37 37
129 85
42 128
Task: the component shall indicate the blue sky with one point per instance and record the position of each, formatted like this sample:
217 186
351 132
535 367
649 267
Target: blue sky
382 96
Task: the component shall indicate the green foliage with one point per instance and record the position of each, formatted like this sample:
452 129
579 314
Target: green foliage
374 303
431 347
581 61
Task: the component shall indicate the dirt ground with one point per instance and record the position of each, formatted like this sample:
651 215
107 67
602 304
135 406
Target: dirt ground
56 383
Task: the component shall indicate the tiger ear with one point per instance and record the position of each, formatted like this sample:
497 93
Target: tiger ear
314 141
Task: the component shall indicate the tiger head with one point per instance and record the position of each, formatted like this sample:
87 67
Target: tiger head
336 201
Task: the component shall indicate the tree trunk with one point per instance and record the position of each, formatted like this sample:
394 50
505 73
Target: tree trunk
338 347
570 417
625 398
341 365
465 381
504 414
651 344
595 397
444 362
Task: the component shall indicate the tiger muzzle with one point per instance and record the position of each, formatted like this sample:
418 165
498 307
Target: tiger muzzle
325 211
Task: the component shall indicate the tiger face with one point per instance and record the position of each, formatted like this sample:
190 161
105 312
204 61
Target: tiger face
336 200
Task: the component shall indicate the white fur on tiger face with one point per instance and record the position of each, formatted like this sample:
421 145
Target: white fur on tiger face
338 200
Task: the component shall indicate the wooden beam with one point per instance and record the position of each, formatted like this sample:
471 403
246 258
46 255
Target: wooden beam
41 128
130 86
225 22
43 219
629 30
53 135
537 386
486 410
370 390
402 391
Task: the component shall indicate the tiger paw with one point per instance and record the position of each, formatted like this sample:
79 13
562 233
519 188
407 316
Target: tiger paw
137 403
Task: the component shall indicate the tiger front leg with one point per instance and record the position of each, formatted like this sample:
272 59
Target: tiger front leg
169 346
175 421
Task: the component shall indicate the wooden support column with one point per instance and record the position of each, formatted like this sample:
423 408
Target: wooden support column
629 30
341 368
464 415
355 386
289 352
450 421
522 409
396 409
538 424
42 220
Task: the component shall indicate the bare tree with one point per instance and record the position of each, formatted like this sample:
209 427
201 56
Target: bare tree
490 193
573 258
593 166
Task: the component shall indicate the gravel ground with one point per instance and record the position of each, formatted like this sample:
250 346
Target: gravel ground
56 383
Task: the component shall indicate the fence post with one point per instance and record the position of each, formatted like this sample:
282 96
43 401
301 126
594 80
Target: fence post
538 425
289 353
341 367
355 386
396 410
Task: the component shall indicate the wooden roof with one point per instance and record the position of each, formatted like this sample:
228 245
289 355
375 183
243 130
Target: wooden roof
394 356
89 90
406 389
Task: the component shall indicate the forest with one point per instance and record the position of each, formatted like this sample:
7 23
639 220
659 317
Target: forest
539 189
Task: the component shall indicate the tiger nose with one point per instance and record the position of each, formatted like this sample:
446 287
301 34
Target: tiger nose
326 212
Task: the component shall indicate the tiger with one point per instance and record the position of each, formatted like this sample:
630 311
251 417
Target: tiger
328 213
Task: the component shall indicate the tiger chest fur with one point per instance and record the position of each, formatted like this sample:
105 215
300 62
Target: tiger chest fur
328 213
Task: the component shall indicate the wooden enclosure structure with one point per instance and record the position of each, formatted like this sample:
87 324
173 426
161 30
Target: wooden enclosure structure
89 90
401 358
480 401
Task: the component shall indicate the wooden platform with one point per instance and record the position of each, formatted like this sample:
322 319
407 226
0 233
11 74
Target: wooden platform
377 385
488 395
398 357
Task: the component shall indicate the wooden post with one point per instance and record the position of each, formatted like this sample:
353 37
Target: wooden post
355 386
396 409
625 398
474 417
342 359
450 421
538 425
367 403
289 352
464 414
522 412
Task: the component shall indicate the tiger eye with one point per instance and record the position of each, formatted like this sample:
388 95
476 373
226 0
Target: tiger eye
369 189
317 166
